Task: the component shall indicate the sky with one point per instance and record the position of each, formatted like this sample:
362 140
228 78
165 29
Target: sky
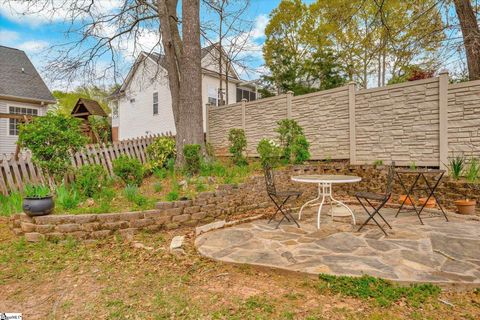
37 33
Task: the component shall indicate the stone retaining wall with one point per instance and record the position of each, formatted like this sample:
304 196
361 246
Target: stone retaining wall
226 202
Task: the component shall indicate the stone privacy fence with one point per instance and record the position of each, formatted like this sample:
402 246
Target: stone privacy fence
423 121
226 202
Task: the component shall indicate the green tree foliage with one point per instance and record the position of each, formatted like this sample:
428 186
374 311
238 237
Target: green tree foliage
67 100
50 139
313 46
298 59
238 146
288 130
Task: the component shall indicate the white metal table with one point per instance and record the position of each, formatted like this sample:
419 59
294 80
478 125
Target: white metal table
325 191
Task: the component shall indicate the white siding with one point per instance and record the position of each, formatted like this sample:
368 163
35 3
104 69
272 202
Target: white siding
8 142
136 118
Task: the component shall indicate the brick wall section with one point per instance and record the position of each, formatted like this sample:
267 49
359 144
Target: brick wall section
398 122
464 118
324 117
224 203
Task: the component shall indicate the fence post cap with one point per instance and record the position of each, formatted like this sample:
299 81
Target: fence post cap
244 100
290 92
443 71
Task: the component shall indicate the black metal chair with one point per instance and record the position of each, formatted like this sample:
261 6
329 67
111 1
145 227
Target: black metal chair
379 198
280 198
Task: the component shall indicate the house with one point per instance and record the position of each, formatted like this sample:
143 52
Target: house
22 91
142 105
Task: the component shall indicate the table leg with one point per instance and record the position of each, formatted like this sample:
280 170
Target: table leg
344 205
324 186
432 193
309 202
409 192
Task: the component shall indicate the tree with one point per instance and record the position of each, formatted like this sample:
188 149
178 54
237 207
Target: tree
471 36
103 34
66 100
299 58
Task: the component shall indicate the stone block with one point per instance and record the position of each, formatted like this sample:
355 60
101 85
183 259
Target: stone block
190 210
182 203
208 227
135 215
164 205
181 218
48 219
109 217
190 223
154 214
27 227
44 228
116 225
171 225
92 226
84 218
176 246
24 218
69 227
141 223
34 237
199 215
100 234
173 212
128 233
79 235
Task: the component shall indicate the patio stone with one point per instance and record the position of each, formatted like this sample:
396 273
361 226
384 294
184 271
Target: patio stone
435 252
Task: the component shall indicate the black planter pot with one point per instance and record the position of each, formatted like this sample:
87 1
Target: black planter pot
38 206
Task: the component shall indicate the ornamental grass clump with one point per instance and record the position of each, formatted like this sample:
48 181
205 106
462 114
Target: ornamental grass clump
238 146
456 166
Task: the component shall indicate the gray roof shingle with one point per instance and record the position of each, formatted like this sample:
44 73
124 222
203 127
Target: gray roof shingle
25 84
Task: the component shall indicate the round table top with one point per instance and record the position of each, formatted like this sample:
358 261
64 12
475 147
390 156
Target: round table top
325 178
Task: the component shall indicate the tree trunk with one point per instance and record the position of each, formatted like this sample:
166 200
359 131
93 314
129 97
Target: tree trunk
471 36
182 57
190 128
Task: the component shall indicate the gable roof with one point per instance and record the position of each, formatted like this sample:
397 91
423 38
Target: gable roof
91 106
19 79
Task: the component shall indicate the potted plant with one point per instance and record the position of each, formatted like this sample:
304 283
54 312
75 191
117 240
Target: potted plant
38 200
467 205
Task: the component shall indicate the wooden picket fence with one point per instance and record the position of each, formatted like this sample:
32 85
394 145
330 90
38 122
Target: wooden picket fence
15 174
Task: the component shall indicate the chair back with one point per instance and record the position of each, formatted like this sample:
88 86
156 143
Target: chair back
390 179
269 180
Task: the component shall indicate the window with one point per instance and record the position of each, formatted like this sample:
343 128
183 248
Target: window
13 123
245 94
115 109
212 101
155 103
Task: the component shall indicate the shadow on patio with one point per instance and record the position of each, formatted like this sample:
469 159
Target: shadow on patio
437 252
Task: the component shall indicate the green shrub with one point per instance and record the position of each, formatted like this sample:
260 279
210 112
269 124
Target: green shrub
130 170
159 152
238 146
90 179
288 130
66 197
160 174
191 153
269 152
300 150
472 172
36 191
50 139
212 169
457 165
11 204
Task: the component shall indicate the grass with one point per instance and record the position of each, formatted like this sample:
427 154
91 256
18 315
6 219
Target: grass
11 204
108 279
472 171
383 292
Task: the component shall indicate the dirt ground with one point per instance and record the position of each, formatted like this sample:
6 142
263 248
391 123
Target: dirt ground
138 278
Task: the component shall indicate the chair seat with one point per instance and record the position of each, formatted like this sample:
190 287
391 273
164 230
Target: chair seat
286 193
370 196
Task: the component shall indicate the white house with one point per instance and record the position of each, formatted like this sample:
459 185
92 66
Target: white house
142 105
22 91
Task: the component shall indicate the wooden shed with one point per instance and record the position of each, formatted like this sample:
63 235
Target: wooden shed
86 107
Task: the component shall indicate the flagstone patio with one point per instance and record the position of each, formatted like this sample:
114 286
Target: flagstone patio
437 252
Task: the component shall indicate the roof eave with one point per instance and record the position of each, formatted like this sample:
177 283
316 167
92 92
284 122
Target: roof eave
27 99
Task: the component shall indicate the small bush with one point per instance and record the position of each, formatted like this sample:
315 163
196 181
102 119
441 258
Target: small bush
288 130
90 179
11 204
472 172
66 197
130 170
191 153
160 174
384 292
51 139
159 152
300 150
269 152
238 146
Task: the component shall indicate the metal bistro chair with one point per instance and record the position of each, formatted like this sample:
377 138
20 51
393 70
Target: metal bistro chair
280 199
369 197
